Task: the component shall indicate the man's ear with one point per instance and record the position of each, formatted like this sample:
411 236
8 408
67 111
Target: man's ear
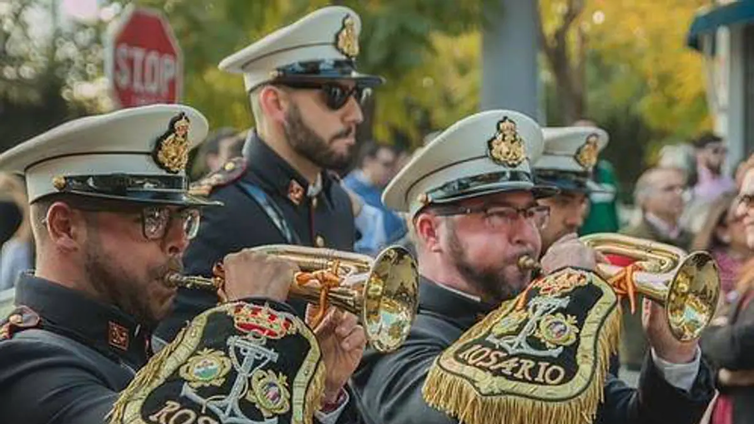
426 227
274 103
66 227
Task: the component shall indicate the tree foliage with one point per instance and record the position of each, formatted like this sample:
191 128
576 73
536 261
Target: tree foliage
623 63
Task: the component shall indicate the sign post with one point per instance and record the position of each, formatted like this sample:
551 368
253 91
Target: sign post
143 61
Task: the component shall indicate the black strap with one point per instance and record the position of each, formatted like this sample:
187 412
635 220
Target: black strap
272 210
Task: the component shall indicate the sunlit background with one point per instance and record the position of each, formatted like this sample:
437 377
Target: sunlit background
627 64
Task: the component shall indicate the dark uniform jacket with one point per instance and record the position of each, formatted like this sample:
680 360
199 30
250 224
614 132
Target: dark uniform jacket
389 386
66 357
242 222
71 358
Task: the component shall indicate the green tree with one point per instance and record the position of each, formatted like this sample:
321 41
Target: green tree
41 74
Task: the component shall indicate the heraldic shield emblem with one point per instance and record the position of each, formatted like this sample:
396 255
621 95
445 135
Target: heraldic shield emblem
540 358
236 363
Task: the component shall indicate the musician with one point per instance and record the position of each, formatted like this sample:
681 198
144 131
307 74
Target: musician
474 211
111 220
567 162
306 98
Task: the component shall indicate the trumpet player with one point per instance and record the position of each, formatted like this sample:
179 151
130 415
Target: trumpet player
111 221
306 97
488 346
567 162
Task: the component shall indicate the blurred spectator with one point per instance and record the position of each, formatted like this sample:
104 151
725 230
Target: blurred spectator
375 169
220 146
724 236
403 157
679 156
728 344
659 196
711 152
17 252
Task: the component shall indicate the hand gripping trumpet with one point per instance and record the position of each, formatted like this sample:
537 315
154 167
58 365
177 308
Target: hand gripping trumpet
381 291
687 286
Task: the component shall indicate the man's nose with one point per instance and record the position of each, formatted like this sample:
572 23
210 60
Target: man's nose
176 240
353 113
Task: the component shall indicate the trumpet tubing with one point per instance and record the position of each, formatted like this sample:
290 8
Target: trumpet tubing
687 285
382 291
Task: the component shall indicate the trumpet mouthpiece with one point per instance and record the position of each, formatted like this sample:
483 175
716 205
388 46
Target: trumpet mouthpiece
527 263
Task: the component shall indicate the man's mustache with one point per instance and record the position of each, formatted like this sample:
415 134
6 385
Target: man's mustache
172 266
346 132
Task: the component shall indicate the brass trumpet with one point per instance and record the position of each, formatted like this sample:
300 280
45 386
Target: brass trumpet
382 292
687 285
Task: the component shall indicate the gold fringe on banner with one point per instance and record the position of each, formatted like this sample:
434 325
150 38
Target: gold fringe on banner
457 397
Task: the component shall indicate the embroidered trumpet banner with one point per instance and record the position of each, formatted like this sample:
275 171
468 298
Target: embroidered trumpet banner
239 362
541 357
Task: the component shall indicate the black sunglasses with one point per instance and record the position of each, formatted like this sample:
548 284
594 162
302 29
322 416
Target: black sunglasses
336 95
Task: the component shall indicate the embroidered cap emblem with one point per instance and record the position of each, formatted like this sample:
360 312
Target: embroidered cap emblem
506 147
586 155
346 40
171 150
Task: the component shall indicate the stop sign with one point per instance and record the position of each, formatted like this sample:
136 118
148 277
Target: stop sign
143 59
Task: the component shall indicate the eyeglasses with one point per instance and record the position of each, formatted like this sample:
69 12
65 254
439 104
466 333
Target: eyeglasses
155 221
500 216
336 95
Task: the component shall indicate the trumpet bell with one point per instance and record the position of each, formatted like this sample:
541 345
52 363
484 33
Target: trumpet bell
692 296
390 299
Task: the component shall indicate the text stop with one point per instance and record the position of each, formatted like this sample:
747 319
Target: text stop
144 72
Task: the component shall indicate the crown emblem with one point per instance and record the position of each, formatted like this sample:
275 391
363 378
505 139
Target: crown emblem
346 40
586 155
506 147
261 321
171 150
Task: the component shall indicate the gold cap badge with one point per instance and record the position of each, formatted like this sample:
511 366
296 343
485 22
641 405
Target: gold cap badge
347 42
506 147
59 182
586 155
171 150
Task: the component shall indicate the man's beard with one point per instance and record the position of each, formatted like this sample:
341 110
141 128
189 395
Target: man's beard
313 147
121 287
490 282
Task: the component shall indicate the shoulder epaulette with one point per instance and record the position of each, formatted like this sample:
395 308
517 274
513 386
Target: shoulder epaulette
21 318
230 172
